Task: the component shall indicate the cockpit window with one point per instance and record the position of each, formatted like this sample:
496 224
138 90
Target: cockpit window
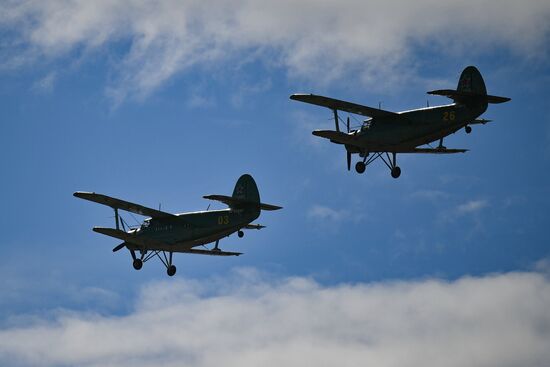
367 124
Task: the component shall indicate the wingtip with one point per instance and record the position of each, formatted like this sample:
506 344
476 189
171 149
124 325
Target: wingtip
299 96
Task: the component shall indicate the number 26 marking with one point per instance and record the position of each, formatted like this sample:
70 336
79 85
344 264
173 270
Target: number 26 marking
449 116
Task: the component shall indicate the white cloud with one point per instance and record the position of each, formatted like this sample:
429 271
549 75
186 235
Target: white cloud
469 215
242 92
430 195
325 213
199 101
46 84
472 206
316 40
499 320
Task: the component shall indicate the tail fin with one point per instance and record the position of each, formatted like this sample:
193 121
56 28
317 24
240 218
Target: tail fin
471 82
246 189
470 90
245 196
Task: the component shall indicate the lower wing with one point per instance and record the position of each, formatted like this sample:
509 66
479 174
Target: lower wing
154 245
434 151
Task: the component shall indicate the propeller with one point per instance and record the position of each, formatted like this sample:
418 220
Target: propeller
122 245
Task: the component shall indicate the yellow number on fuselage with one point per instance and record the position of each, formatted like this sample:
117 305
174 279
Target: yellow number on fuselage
223 219
449 116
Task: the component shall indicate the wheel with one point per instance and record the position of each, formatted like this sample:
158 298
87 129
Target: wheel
171 270
240 234
360 167
468 129
137 264
395 172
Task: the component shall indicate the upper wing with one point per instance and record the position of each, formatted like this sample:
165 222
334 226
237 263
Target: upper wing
336 104
235 202
121 204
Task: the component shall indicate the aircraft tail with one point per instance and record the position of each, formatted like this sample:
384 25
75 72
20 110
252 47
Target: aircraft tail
246 190
471 90
245 196
471 82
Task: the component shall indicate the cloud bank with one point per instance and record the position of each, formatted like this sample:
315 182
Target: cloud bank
315 40
499 320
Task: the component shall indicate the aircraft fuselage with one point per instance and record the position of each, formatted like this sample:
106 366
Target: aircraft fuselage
188 230
421 126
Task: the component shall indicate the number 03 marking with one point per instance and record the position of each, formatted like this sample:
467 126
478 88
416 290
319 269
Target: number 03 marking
449 116
223 219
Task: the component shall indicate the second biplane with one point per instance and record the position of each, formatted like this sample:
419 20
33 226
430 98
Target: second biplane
386 132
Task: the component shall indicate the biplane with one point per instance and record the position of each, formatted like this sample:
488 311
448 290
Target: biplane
387 133
166 233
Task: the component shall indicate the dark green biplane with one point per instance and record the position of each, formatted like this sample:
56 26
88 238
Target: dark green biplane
164 233
387 132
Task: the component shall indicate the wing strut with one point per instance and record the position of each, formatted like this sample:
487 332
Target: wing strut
117 219
336 119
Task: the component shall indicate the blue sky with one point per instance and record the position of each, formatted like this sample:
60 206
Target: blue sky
166 102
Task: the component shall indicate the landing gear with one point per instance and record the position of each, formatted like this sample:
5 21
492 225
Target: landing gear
368 158
171 270
395 172
394 168
138 264
240 234
167 261
148 255
468 129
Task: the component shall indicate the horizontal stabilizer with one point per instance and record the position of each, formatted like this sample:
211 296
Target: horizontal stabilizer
240 203
480 121
253 226
497 99
336 104
211 252
460 96
269 207
122 204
